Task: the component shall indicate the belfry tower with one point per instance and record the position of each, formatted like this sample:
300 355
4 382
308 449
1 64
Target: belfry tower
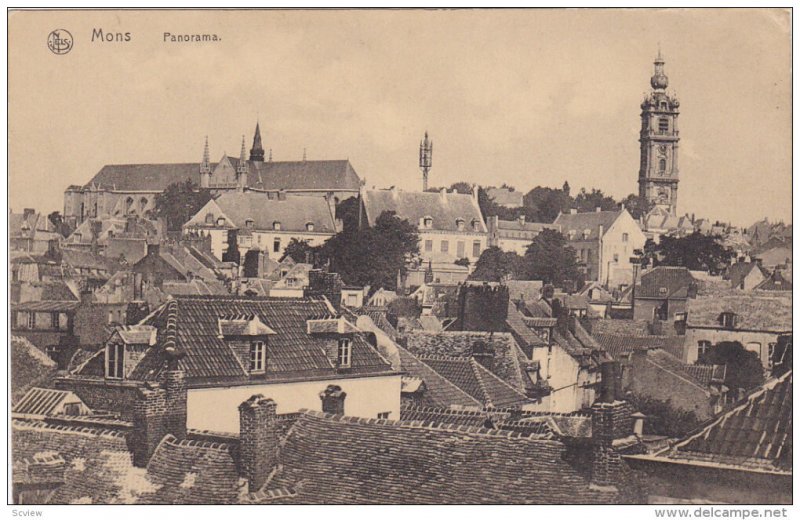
658 171
425 159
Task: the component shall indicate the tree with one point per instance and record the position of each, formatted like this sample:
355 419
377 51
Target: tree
547 203
591 200
59 226
637 206
551 260
662 417
179 202
373 256
495 265
743 367
300 251
697 252
347 211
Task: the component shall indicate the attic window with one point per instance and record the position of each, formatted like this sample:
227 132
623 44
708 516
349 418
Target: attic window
309 226
586 233
460 224
728 319
115 358
249 223
662 291
571 234
344 353
427 222
476 224
276 226
258 356
221 221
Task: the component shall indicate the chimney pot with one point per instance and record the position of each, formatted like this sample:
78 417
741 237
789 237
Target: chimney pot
333 400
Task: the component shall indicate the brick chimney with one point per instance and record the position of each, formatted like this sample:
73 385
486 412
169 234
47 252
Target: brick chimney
159 409
611 420
483 353
258 440
333 400
46 468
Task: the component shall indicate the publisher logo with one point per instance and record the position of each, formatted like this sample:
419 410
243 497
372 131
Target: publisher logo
59 41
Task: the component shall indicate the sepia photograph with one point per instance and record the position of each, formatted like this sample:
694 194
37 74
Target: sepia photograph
400 257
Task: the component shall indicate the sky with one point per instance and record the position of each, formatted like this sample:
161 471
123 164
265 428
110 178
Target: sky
524 97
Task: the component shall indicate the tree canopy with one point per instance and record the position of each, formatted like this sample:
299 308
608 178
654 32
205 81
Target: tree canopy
179 202
743 367
300 251
697 252
662 417
549 258
495 265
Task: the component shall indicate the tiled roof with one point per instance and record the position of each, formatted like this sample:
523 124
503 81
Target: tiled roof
740 270
505 197
775 282
350 460
194 287
665 282
46 306
527 290
591 221
474 379
191 472
518 225
86 260
43 401
536 423
700 375
322 175
439 391
414 206
620 345
29 367
292 352
294 212
770 312
756 434
505 365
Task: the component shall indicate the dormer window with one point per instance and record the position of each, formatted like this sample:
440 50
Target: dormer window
258 357
728 320
662 291
115 360
209 218
476 225
248 224
571 234
344 353
309 226
427 222
221 221
460 224
276 226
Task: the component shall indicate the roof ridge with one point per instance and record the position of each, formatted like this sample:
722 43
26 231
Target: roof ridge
86 430
492 374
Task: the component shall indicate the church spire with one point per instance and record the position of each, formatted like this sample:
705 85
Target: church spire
257 151
241 170
205 167
659 80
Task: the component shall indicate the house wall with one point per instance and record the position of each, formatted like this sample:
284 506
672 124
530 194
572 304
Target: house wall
753 341
619 272
216 409
452 239
562 373
265 240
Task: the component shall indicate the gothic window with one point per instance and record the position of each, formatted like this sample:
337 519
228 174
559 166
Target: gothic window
128 204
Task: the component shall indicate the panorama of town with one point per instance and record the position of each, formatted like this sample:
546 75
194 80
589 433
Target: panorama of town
238 330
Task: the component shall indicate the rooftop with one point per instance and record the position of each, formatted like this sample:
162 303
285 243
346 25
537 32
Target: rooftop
445 210
762 311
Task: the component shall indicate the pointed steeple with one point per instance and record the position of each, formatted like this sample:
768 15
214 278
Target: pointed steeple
257 151
205 167
241 169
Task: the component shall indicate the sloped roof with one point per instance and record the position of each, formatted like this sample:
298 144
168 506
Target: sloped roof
293 212
590 220
755 435
775 282
350 460
474 379
43 401
665 282
323 175
505 197
29 367
293 353
527 290
755 311
519 225
439 391
740 270
415 205
622 344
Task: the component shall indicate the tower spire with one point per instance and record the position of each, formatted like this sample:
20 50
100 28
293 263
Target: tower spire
425 159
205 167
241 170
257 151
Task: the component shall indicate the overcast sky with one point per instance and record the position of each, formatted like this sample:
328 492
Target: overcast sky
524 97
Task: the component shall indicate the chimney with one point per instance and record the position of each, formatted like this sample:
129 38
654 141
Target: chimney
598 209
483 354
159 409
46 467
638 423
573 211
612 419
521 220
333 400
443 194
258 440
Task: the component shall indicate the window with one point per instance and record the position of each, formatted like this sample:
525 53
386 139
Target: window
221 221
445 246
728 320
249 223
72 409
344 353
276 245
624 237
662 165
476 225
428 246
703 346
309 226
209 218
476 248
384 415
258 356
427 222
460 224
142 205
276 226
460 247
115 357
571 234
663 125
616 258
111 316
25 320
770 354
352 300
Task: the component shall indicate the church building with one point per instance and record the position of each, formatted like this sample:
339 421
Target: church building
120 190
